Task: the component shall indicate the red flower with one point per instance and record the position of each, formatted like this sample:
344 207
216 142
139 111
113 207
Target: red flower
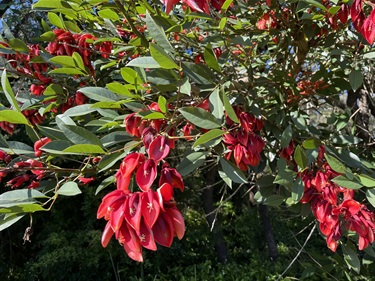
146 174
38 144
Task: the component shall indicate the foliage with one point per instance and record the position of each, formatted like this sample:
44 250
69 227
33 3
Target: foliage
276 96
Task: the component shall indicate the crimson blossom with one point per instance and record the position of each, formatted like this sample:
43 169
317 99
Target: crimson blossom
143 218
335 208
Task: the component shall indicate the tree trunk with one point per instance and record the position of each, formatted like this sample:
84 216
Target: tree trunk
268 234
212 220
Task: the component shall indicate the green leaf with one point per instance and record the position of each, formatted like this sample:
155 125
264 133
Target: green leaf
79 61
67 71
216 105
228 108
20 195
56 147
370 195
335 164
8 91
116 137
49 4
210 58
274 200
343 181
151 115
316 4
351 258
298 188
69 189
226 5
13 117
355 79
84 149
367 180
232 171
370 55
225 178
311 143
200 117
98 94
108 161
130 75
197 73
6 221
161 57
79 110
79 135
192 161
284 177
300 157
162 102
23 208
157 33
210 135
286 137
17 147
106 182
55 20
144 62
18 45
108 14
122 90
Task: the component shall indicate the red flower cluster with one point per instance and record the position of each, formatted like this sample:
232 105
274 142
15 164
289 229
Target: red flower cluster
144 218
32 179
242 142
66 43
335 207
364 24
202 6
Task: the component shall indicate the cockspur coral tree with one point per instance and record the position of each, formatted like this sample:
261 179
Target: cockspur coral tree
114 91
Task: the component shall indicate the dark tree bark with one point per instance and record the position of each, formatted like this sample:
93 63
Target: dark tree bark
212 220
268 233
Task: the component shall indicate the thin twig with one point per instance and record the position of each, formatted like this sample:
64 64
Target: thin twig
299 252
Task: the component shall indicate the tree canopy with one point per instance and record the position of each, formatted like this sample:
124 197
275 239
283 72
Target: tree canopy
144 101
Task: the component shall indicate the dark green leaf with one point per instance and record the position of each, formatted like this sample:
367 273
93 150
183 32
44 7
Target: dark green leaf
192 161
56 147
99 94
157 33
347 183
18 45
84 149
335 164
200 117
298 189
228 108
108 181
355 79
311 143
79 135
161 57
144 62
351 258
210 58
232 171
210 135
300 157
67 71
108 161
286 137
8 91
